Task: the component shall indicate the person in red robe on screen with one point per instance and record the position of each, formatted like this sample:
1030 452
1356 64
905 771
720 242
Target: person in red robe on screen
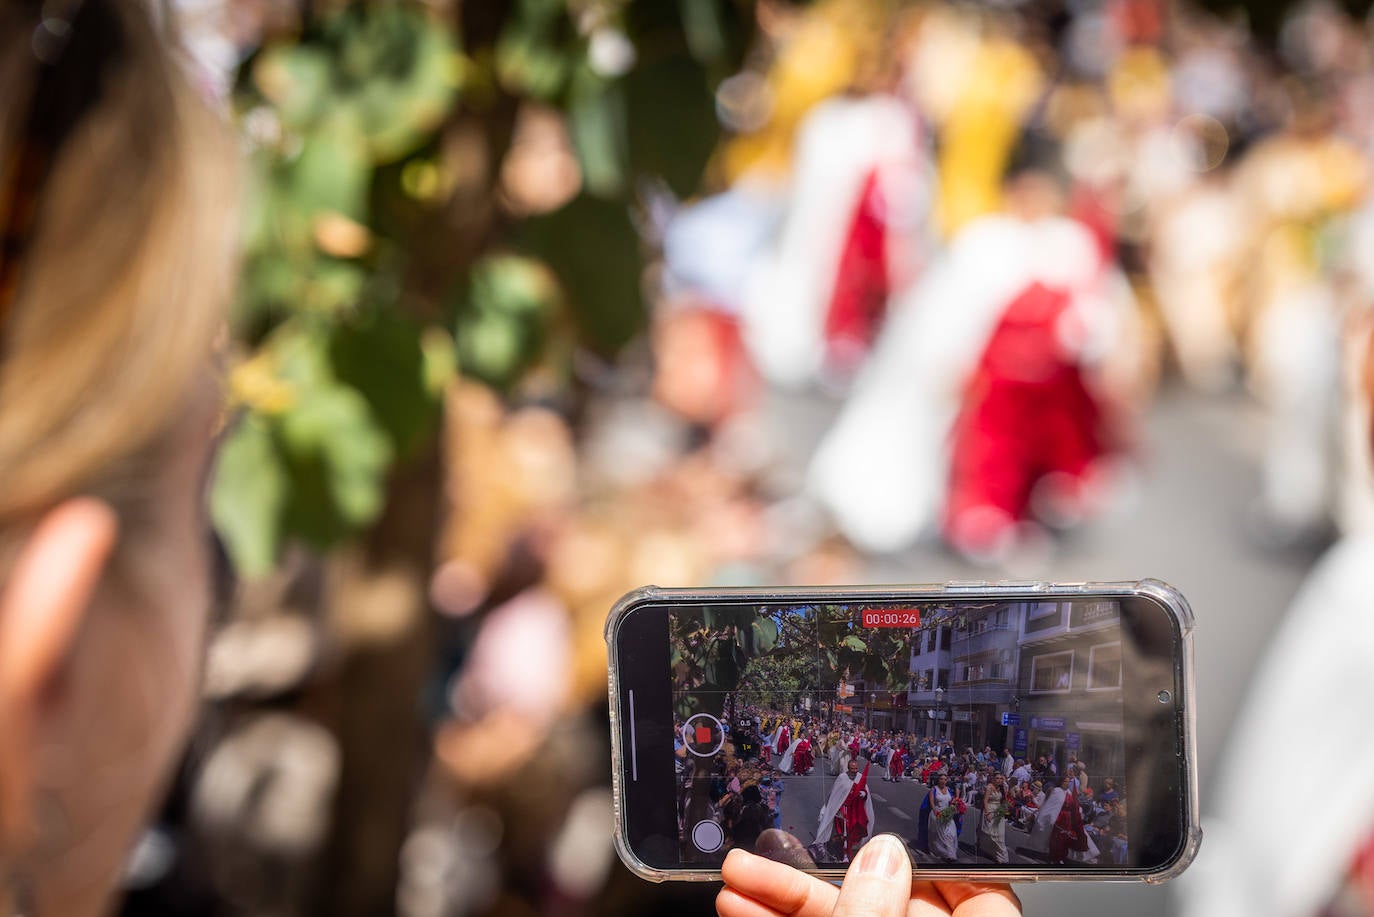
852 821
803 759
847 817
1068 833
895 764
784 740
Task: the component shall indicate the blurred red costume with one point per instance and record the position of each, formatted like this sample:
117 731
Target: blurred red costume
1027 413
859 300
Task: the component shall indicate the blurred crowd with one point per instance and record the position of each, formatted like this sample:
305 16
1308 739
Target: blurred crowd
942 259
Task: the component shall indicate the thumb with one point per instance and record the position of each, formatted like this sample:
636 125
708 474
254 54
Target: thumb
878 883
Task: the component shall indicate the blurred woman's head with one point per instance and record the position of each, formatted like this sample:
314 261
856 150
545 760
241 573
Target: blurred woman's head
116 197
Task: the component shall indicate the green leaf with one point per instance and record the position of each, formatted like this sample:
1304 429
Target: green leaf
333 170
503 320
331 425
855 643
380 355
335 451
704 30
535 53
407 67
248 497
765 632
597 124
594 250
332 286
297 80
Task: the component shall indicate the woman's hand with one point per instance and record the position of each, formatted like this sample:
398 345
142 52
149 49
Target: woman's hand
878 884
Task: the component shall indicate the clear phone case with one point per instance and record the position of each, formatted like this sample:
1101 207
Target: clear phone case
1162 592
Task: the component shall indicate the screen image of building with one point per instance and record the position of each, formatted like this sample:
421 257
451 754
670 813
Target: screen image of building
983 656
928 715
1069 686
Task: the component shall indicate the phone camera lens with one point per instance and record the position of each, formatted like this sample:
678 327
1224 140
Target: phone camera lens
1164 697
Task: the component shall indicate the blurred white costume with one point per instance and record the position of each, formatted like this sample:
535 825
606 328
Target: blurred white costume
785 765
840 144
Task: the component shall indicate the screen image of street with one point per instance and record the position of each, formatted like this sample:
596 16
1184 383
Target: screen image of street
980 732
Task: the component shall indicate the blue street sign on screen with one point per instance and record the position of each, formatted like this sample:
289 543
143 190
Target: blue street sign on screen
1019 740
1011 719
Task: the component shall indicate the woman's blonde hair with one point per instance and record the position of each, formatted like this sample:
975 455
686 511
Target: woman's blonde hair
124 280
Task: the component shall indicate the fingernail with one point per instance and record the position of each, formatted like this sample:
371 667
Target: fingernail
882 856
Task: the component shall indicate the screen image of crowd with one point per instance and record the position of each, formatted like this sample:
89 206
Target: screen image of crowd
834 786
831 768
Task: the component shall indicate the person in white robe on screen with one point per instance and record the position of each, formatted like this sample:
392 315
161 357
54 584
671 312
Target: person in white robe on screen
785 765
848 809
1045 818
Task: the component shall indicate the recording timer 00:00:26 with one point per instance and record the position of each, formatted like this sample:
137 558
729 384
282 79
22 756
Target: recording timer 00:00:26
891 617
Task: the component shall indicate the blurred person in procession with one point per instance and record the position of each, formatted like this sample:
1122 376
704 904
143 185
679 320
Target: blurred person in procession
1017 368
117 199
853 198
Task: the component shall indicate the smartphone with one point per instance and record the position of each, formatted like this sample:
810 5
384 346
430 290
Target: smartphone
1012 731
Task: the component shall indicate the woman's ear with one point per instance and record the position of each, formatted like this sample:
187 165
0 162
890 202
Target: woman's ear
43 604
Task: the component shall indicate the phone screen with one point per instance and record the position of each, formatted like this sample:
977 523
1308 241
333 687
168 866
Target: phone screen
994 734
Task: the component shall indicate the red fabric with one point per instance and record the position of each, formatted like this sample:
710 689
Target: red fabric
894 764
802 761
703 370
1356 891
1092 208
784 740
1027 413
852 821
859 298
1068 831
1138 21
